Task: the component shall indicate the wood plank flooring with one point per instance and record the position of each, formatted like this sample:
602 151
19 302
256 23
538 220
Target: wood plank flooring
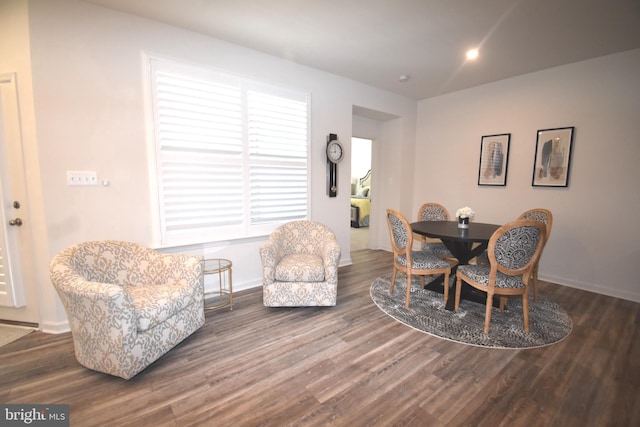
349 365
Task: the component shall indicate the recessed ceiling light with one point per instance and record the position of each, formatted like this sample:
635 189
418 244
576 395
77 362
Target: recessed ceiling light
472 54
404 78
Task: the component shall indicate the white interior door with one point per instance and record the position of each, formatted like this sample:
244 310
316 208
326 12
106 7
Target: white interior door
11 190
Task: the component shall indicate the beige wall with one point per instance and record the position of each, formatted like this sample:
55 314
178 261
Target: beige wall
594 241
90 108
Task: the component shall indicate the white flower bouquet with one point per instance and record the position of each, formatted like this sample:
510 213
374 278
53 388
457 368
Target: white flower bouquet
465 212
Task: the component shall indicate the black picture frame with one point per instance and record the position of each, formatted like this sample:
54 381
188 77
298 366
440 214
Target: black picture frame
494 159
552 162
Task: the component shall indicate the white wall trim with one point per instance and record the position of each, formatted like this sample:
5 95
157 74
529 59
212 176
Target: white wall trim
55 327
617 293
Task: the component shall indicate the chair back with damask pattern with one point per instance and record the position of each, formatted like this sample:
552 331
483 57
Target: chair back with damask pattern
433 212
303 236
515 247
401 236
111 261
542 215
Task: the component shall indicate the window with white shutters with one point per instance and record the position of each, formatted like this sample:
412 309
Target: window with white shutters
231 155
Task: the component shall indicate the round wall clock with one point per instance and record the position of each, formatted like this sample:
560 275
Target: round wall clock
335 151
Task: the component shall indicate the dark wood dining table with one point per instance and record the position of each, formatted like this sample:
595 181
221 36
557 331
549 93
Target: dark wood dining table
463 243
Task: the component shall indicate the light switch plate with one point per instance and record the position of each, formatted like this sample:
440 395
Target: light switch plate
82 178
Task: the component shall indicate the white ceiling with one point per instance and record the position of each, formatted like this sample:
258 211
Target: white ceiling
377 41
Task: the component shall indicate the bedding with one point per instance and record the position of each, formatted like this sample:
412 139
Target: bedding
361 202
363 208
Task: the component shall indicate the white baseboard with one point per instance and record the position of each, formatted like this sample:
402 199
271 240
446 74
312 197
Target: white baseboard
590 287
55 328
345 261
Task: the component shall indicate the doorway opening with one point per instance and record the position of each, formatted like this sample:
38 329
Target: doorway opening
361 192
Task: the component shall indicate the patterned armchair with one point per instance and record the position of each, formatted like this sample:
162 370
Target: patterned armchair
300 266
127 305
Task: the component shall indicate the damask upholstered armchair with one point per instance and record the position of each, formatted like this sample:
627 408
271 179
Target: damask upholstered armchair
300 266
127 305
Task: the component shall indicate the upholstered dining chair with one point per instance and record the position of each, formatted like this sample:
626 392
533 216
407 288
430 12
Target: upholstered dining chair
433 212
513 250
300 265
536 214
410 262
545 217
127 305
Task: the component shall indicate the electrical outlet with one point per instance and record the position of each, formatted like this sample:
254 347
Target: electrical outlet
83 178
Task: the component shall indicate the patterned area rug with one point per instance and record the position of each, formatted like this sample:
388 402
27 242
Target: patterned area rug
549 323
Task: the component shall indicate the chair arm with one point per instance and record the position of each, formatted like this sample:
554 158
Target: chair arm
181 268
270 255
330 258
100 314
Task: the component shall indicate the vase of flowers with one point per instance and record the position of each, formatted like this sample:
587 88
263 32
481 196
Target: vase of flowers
464 215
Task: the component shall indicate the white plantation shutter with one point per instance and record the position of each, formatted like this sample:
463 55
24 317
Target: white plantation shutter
277 158
231 155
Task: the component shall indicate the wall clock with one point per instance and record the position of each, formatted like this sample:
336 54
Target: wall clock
335 153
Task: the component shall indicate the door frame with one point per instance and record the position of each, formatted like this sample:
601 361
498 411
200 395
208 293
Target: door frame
17 239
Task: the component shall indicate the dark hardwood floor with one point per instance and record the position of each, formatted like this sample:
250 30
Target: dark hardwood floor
349 365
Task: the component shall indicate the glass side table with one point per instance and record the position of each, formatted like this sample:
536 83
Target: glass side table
219 271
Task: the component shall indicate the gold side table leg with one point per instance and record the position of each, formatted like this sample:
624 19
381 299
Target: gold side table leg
224 269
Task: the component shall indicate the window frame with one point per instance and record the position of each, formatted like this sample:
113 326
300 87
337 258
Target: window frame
166 238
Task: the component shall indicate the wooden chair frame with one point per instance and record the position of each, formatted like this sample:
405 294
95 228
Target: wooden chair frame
407 252
525 271
549 223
